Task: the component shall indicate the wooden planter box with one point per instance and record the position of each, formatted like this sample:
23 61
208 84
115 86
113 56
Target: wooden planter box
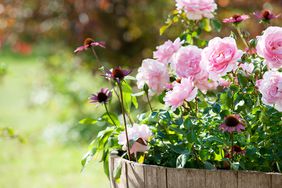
134 175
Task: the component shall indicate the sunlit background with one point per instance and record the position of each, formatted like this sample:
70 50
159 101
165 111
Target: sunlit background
44 86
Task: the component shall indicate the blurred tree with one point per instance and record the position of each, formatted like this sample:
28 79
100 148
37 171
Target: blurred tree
129 27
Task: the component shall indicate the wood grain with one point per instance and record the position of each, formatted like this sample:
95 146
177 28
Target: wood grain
136 175
155 177
254 180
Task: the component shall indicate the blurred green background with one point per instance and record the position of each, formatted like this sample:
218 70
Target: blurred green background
44 87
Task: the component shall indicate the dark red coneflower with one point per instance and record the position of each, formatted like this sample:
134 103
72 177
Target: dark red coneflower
238 150
265 15
103 96
232 123
236 19
88 43
117 74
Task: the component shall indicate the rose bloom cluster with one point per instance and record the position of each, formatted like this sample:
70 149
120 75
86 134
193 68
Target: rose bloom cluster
195 69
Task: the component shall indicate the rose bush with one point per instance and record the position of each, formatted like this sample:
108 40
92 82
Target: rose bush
210 104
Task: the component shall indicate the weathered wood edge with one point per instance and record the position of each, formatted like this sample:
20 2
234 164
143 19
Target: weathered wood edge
275 179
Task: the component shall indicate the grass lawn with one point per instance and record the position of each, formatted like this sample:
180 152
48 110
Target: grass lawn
38 163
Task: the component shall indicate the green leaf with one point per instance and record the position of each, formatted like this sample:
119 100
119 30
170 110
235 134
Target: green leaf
239 104
188 123
205 25
127 96
128 77
216 108
141 93
235 165
113 120
233 35
209 166
106 166
181 160
134 101
117 171
189 39
88 121
178 121
219 157
161 97
243 81
226 100
164 28
216 24
88 157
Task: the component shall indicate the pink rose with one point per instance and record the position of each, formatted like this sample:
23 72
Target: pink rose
165 52
186 62
271 89
223 83
220 57
205 84
180 92
140 134
247 67
269 47
197 9
154 74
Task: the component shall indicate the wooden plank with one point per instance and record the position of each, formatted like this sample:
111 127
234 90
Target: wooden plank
221 179
185 178
176 178
123 178
155 177
213 179
254 180
195 178
111 169
276 180
228 179
135 175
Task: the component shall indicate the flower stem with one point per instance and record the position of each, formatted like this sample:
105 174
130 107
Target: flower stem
232 144
109 114
147 96
95 54
127 114
124 120
242 36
